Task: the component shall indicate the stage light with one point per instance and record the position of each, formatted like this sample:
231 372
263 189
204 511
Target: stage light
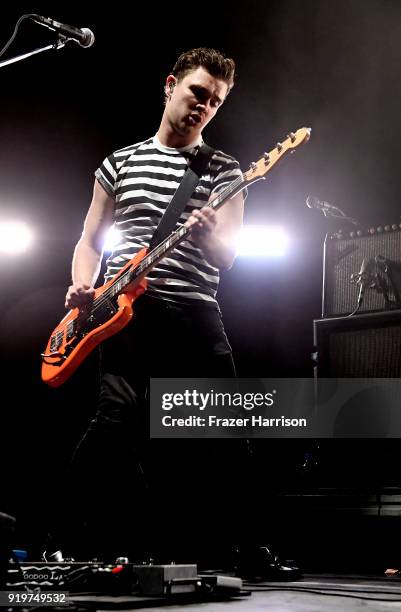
113 237
262 241
15 237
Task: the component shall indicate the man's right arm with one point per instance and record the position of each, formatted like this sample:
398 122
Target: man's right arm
89 249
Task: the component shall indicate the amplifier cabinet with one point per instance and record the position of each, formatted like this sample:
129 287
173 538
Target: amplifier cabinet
343 257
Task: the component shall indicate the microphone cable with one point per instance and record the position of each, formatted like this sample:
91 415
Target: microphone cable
14 34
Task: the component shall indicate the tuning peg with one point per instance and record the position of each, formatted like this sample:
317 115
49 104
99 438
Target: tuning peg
279 147
266 157
292 136
253 166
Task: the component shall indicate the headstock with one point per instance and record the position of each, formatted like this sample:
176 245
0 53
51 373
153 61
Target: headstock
259 169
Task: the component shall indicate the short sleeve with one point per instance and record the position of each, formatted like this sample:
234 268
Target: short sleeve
106 174
226 171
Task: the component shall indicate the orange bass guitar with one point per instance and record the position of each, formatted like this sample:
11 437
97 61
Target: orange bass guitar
82 330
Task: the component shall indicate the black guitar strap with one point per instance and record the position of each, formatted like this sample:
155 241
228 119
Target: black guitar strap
182 195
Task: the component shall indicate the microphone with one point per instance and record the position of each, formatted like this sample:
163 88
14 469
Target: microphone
365 276
314 202
329 210
83 36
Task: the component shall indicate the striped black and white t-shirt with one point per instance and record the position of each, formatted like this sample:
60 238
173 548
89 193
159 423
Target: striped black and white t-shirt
142 179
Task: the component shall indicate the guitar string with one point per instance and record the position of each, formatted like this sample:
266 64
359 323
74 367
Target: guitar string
149 259
177 236
239 181
154 254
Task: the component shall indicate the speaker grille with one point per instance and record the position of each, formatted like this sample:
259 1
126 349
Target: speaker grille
343 257
367 353
365 346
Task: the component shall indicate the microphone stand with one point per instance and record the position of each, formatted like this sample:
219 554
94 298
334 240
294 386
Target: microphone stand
59 44
324 280
328 213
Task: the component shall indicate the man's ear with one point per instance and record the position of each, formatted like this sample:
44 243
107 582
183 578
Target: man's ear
170 84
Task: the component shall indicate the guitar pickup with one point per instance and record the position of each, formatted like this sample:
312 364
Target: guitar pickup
70 330
56 341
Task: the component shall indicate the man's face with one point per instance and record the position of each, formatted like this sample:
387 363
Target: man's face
193 101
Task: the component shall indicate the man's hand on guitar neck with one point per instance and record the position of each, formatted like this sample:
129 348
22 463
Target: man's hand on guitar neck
79 295
201 222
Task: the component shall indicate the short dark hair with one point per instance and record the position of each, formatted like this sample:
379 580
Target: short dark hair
213 61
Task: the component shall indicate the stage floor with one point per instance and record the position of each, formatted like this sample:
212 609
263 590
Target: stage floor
313 593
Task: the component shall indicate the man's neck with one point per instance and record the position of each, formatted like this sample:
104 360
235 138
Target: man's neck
168 137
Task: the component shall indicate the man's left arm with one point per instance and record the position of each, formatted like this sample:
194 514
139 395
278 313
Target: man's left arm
215 232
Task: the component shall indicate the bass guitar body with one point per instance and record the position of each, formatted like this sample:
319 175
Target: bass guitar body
82 330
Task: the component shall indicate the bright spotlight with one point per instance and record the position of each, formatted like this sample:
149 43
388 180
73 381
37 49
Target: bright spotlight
15 237
262 241
113 237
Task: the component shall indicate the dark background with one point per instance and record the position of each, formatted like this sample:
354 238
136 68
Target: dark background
333 66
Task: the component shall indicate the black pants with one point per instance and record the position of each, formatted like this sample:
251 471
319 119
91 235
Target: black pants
177 498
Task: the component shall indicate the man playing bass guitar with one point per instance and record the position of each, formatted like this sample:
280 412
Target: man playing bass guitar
176 330
169 487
